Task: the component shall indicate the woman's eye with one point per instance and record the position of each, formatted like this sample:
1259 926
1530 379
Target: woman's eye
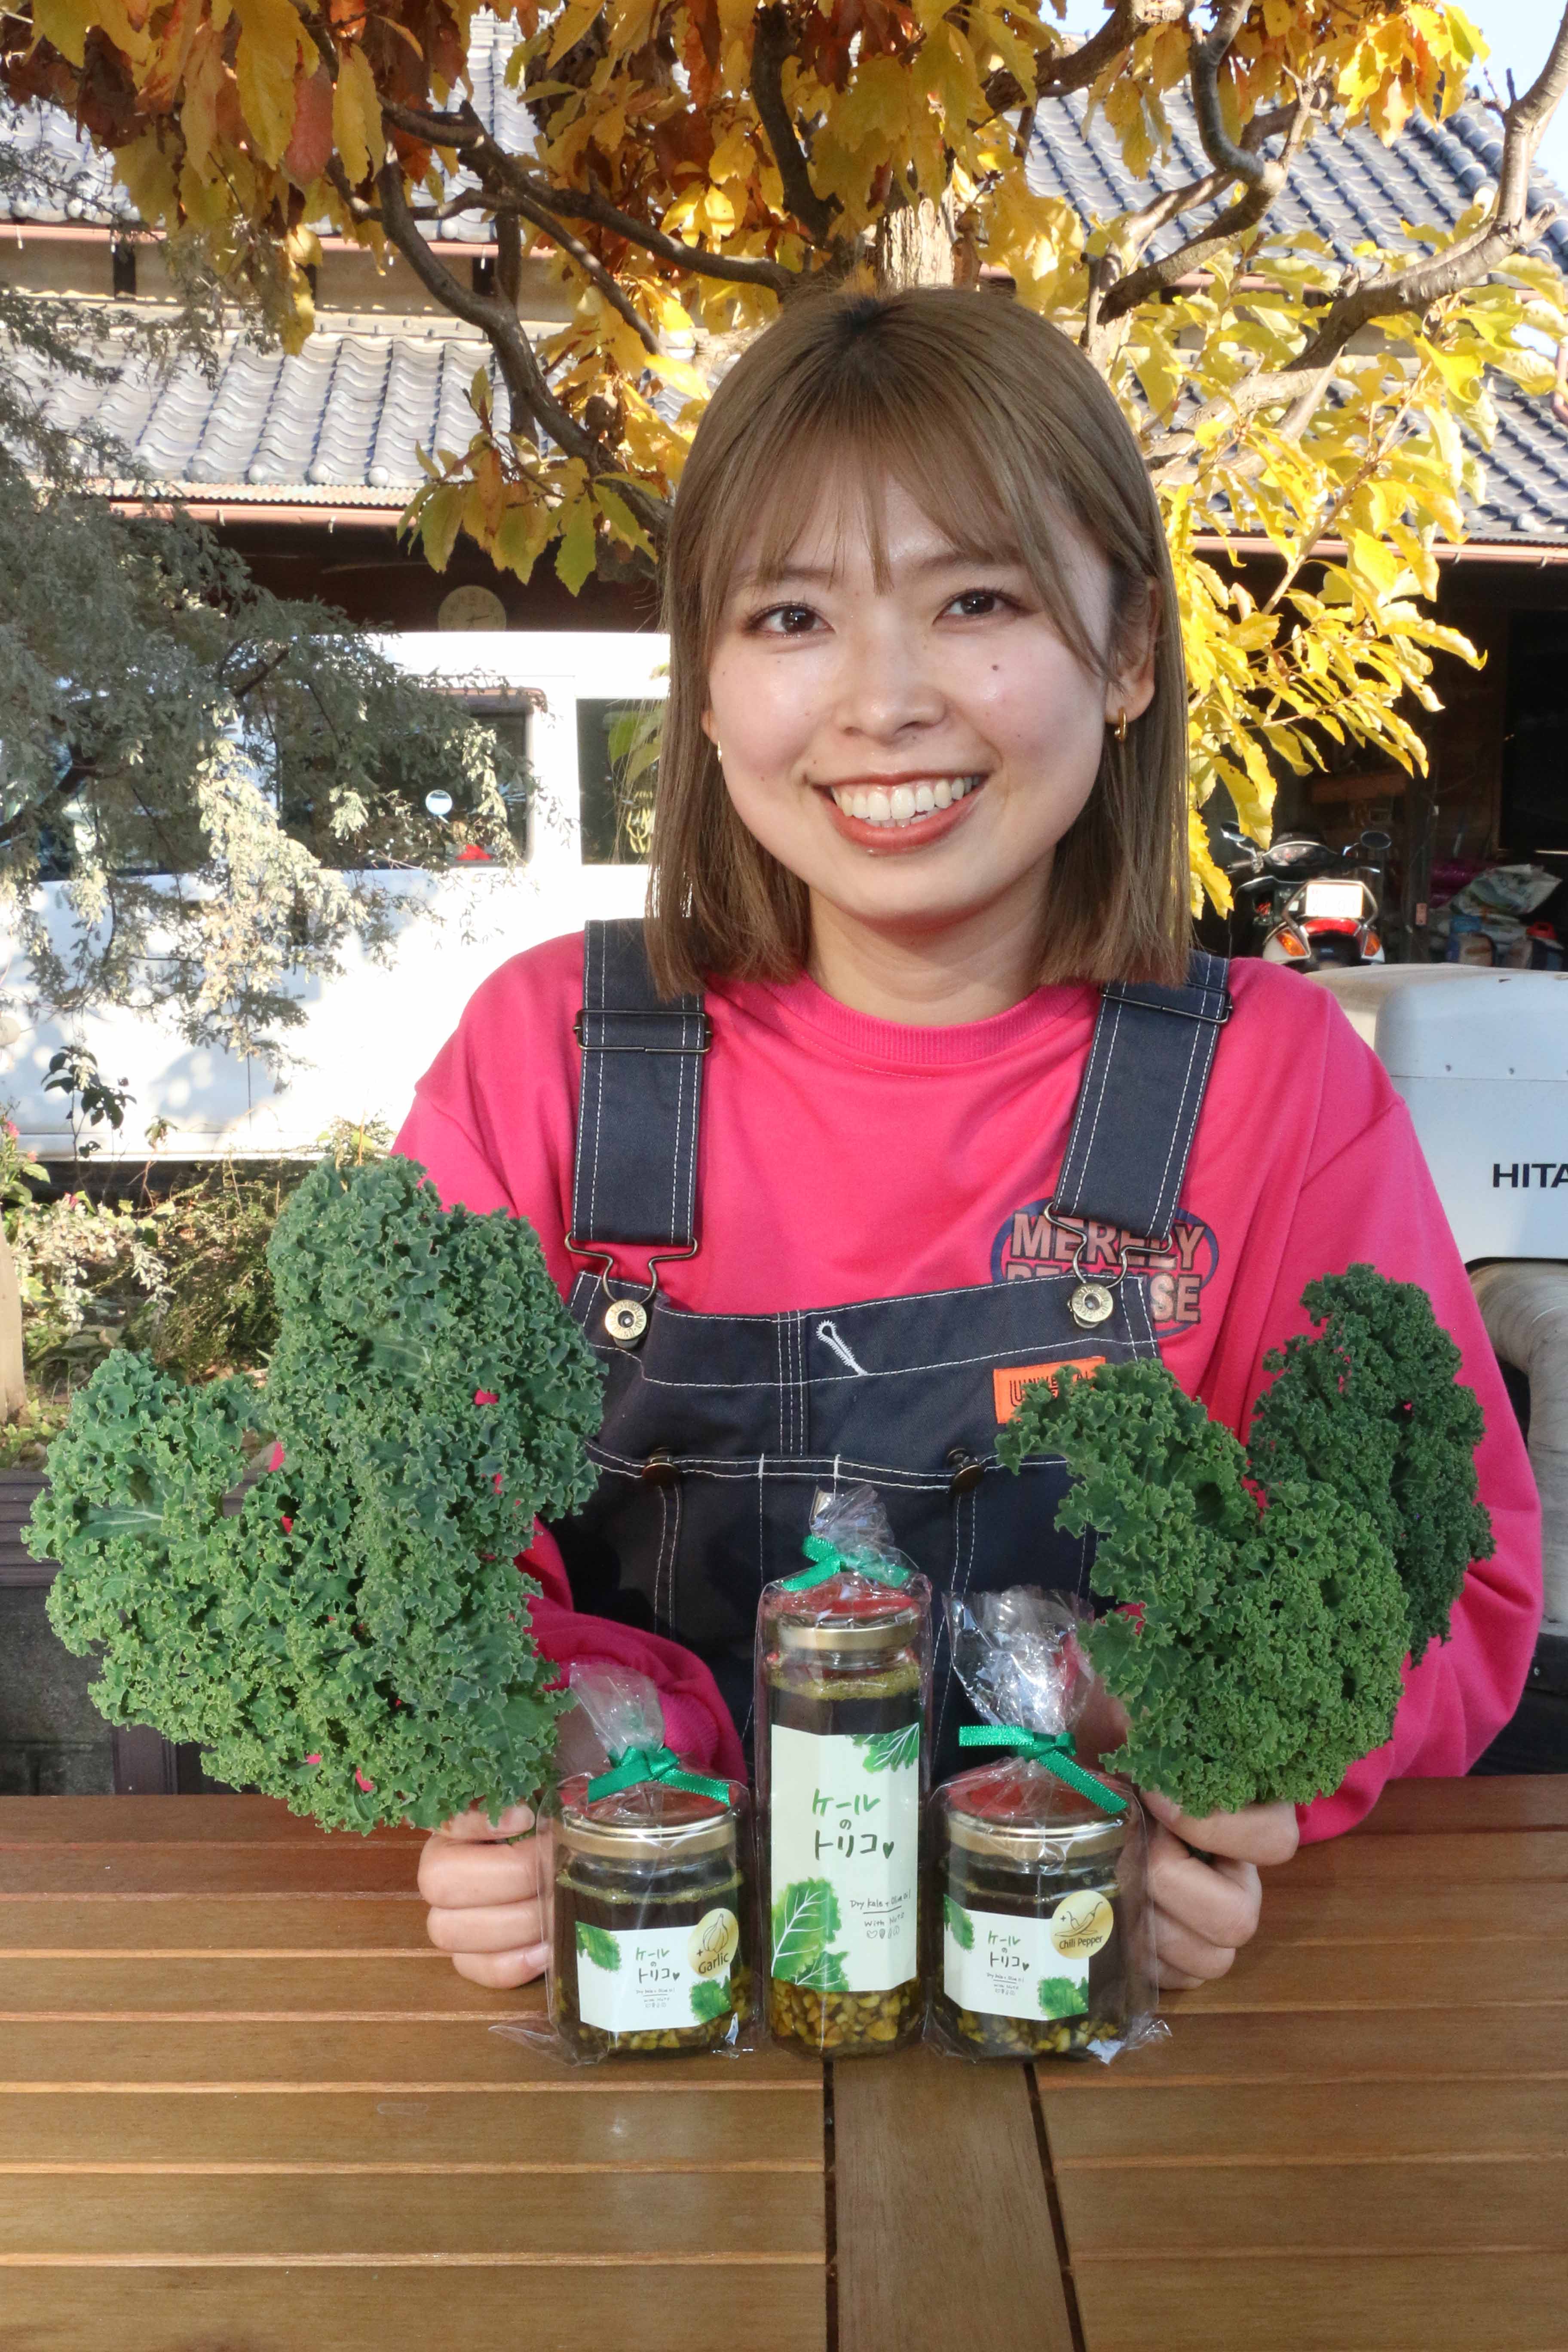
979 603
785 621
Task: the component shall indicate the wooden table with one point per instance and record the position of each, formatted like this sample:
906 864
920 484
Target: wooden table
244 2105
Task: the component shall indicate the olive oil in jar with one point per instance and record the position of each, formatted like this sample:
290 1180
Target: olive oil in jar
650 1926
1025 1920
844 1681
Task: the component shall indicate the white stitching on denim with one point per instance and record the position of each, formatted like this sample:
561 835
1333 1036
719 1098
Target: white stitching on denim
1181 1124
828 1332
1099 1104
675 1156
894 1372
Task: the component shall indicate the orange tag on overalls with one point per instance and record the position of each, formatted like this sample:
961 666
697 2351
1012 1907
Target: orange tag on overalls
1010 1381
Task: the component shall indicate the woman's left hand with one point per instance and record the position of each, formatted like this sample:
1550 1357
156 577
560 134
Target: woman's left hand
1204 1911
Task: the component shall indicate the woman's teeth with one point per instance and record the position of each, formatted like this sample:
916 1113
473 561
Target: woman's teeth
903 803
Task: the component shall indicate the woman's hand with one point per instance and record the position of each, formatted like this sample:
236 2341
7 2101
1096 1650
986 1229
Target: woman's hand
483 1893
1203 1911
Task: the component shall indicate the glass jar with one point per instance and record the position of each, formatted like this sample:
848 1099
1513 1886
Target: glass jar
650 1944
1030 1897
845 1682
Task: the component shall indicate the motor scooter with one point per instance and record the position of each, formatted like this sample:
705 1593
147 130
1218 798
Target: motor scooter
1305 904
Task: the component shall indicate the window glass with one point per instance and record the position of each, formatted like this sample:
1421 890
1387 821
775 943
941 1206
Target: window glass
618 766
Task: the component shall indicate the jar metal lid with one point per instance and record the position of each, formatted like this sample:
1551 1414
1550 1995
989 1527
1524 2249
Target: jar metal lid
1072 1837
878 1620
682 1823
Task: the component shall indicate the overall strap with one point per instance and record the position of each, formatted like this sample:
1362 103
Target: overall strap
636 1174
1138 1107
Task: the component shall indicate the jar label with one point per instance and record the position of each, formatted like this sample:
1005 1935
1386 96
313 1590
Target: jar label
656 1981
844 1857
999 1965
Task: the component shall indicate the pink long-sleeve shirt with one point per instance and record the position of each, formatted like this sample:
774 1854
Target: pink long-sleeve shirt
844 1157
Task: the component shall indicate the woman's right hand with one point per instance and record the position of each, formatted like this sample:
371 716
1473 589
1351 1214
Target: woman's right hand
483 1893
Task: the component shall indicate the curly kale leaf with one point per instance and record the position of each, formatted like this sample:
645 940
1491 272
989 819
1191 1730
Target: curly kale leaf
354 1637
1262 1656
1371 1405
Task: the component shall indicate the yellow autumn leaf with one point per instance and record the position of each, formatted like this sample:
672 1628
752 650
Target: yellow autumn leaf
357 115
525 531
440 519
622 520
65 24
271 44
574 556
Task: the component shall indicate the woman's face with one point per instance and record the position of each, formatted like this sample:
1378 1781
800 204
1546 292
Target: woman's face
913 752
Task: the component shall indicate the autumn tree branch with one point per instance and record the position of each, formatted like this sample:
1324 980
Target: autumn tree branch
497 318
504 175
773 41
1152 278
1509 227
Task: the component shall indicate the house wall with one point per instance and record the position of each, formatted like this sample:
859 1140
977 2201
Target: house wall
368 1034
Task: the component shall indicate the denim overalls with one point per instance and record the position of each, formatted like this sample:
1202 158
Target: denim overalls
719 1428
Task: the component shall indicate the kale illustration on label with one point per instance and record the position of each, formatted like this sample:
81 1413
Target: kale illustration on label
889 1752
805 1921
710 2000
599 1946
1061 1997
960 1926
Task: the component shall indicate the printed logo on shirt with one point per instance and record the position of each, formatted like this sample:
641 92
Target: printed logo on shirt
1027 1245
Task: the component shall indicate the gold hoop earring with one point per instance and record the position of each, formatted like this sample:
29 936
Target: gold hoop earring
1120 729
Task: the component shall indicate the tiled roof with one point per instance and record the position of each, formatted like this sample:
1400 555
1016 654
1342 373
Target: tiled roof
337 423
1346 188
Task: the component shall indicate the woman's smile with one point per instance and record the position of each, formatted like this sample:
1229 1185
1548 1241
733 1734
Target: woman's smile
900 812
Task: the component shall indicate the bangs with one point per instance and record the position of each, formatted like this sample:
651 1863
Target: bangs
833 455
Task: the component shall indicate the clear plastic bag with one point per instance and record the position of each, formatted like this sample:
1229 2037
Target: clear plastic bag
843 1715
646 1884
1038 1941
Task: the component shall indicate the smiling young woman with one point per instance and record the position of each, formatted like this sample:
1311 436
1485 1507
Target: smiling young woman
907 1092
916 545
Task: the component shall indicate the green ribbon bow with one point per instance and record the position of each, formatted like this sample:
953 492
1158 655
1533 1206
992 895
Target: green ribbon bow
826 1560
1054 1753
635 1764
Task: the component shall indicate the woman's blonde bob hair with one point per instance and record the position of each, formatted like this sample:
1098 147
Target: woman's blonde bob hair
998 427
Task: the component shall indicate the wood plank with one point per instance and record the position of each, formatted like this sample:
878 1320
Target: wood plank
288 1921
414 1983
1533 1973
422 1983
1174 2124
285 2214
918 2134
1428 1858
386 2059
1522 1802
1346 2045
1410 2303
1360 2209
381 2307
357 1866
686 2123
1294 1913
79 1925
174 1821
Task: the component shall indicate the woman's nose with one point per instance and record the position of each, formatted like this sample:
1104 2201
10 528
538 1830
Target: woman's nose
884 686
